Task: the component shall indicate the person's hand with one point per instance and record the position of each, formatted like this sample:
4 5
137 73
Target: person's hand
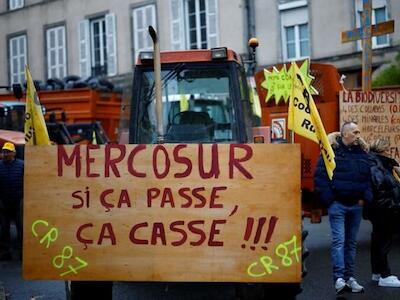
361 202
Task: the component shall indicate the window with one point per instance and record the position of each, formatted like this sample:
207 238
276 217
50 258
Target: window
14 4
297 41
194 24
56 52
97 46
295 31
17 48
379 15
196 105
143 17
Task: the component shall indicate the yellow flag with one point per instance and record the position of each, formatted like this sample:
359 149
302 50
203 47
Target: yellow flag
303 118
35 127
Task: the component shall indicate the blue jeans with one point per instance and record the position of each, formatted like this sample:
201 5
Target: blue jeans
345 222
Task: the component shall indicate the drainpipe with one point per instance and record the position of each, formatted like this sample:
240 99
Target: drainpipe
251 32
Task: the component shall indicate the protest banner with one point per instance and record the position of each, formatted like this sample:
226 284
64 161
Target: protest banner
377 114
214 213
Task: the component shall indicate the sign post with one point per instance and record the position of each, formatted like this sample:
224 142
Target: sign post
364 33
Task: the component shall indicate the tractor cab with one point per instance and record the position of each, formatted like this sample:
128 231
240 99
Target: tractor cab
205 98
12 115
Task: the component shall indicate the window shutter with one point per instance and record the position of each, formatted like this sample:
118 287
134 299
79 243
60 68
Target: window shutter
177 25
150 19
62 52
212 23
84 49
56 52
18 59
51 45
143 17
111 38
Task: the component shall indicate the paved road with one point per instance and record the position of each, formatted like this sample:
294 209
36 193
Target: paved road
318 282
317 285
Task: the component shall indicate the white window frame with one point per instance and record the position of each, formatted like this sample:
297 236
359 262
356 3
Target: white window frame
180 24
297 43
294 16
197 26
140 32
15 4
19 60
58 69
376 4
108 41
102 40
209 4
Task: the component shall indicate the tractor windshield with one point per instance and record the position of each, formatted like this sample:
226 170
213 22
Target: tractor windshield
197 105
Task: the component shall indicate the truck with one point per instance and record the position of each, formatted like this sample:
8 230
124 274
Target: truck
327 83
72 106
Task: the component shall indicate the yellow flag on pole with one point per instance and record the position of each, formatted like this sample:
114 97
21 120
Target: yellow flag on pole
35 126
304 119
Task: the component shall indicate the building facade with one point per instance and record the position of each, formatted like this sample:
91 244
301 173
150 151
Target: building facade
98 37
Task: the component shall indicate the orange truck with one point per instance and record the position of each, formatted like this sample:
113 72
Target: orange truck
81 105
327 83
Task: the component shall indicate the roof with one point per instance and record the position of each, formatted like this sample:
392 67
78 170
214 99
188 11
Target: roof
11 103
15 137
197 55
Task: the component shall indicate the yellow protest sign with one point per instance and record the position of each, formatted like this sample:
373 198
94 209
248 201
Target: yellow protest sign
278 83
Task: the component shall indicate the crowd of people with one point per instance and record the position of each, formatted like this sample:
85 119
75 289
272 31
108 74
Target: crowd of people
365 184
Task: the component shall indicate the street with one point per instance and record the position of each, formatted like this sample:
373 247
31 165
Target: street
316 285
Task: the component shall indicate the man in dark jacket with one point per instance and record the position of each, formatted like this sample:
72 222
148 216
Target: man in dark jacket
344 196
11 194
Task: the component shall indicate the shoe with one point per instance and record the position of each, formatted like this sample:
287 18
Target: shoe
354 286
340 284
390 281
375 277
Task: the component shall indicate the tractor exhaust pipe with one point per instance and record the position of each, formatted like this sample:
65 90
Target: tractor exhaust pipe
157 81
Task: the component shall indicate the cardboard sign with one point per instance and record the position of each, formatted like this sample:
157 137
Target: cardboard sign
215 213
377 114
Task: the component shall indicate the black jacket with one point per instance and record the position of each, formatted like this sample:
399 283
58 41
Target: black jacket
385 187
11 182
351 178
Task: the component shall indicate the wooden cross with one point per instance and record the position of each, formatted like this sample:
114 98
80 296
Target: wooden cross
365 33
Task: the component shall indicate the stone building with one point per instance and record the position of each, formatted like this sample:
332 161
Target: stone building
92 37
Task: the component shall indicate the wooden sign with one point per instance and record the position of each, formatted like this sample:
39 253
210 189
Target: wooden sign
377 114
215 213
